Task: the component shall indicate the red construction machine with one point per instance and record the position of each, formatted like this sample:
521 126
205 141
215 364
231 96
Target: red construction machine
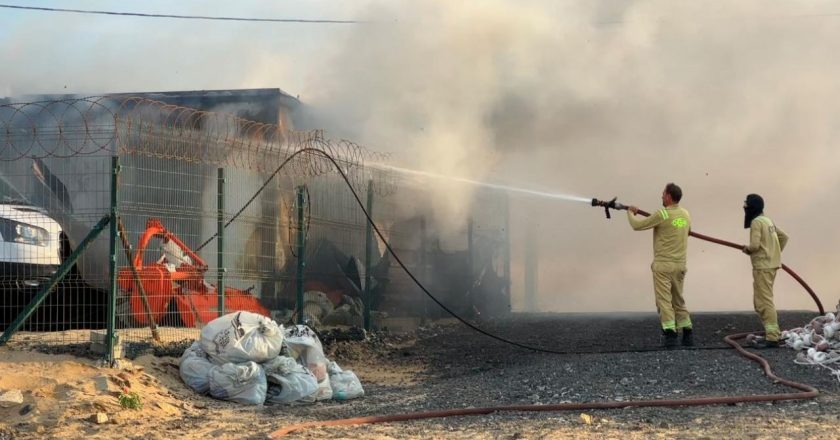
178 276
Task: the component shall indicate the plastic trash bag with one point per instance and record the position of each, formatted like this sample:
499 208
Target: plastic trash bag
241 337
289 382
345 385
305 346
241 383
194 369
324 391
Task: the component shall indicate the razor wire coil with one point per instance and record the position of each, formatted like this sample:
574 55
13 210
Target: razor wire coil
101 125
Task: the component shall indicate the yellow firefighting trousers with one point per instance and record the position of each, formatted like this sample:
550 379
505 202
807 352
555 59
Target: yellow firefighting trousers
763 301
668 279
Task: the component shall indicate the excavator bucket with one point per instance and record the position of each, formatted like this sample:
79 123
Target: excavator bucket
157 284
177 276
197 309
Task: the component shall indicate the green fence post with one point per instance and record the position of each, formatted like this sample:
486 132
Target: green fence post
368 256
112 260
220 242
301 248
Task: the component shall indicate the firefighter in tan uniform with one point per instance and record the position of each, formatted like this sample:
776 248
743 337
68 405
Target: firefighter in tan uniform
765 250
670 243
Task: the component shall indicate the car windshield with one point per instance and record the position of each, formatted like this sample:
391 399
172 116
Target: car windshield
10 195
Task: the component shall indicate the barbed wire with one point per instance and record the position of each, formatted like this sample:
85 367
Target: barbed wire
101 125
60 128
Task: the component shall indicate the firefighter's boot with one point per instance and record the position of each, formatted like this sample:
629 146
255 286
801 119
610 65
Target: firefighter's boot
762 344
687 337
671 338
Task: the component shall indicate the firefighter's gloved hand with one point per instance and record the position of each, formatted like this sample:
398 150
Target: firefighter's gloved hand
746 250
634 210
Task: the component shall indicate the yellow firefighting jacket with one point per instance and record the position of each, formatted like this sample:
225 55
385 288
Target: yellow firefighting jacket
670 233
766 244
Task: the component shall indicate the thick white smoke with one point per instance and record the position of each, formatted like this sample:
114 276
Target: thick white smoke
602 99
593 99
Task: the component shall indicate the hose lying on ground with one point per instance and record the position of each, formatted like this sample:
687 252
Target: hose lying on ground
806 391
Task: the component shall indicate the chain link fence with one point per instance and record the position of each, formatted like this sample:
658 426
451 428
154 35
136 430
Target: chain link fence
133 220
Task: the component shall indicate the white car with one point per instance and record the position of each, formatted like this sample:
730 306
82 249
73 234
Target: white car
30 241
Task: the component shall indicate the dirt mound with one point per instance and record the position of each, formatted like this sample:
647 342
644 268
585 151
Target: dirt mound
64 394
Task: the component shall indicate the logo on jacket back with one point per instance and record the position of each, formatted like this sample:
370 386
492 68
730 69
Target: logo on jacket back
679 222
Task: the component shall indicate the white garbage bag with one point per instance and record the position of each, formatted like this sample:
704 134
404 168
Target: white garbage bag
345 385
241 337
241 383
325 391
194 368
289 382
305 346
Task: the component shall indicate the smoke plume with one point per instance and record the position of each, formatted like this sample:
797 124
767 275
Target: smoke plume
602 99
593 99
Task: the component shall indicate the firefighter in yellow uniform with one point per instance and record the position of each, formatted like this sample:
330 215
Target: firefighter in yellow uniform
765 250
670 244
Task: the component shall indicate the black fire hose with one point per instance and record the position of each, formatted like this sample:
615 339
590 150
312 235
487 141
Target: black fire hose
613 204
805 391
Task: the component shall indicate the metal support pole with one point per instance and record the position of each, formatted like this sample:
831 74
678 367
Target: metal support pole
423 272
138 284
112 261
301 248
531 268
506 246
472 289
220 241
368 256
471 250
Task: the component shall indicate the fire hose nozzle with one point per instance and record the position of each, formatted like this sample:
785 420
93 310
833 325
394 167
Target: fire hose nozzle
609 204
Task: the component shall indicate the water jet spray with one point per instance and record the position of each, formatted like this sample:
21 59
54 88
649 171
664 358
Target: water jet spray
805 391
491 185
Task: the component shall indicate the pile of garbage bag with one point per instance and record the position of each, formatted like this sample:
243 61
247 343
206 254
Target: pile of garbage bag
248 358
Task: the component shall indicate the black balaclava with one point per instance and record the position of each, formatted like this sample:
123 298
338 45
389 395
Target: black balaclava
753 208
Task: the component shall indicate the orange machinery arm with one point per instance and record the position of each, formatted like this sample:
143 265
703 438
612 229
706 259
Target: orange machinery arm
154 228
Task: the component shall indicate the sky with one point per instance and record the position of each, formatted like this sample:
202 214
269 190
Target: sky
589 98
55 52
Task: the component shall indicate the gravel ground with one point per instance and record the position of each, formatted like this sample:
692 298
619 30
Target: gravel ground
454 367
613 357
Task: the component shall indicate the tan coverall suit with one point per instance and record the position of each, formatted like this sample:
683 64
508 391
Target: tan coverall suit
670 244
765 248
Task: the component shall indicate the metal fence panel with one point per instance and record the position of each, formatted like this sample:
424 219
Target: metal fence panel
57 157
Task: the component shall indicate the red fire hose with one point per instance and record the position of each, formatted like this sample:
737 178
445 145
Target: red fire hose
613 204
806 392
784 267
739 247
